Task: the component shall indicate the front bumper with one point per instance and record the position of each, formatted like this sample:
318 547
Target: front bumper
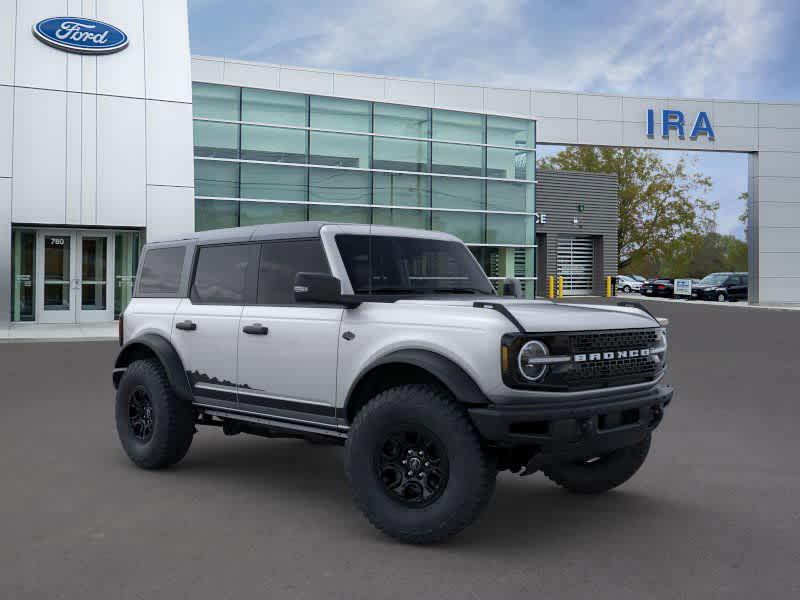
574 428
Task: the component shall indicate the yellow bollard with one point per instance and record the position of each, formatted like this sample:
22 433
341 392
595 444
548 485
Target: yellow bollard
608 286
561 286
551 287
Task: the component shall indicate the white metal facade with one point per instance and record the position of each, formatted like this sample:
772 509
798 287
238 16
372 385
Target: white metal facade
95 140
107 140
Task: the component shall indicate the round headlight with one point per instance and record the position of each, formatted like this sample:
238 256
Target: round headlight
530 360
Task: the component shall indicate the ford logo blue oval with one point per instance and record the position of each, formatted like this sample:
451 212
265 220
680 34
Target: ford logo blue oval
76 34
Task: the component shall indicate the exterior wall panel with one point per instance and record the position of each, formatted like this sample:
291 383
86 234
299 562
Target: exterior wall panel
121 174
6 129
37 65
169 144
167 60
39 148
8 25
170 211
121 73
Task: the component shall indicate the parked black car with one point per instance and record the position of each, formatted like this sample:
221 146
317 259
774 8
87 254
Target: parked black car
721 287
664 288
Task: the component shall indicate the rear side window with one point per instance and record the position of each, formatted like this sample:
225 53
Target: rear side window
220 274
161 271
281 261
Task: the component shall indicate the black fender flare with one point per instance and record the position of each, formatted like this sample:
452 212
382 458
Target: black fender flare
164 352
451 375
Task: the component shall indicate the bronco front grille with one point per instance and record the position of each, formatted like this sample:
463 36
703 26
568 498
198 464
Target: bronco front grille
612 371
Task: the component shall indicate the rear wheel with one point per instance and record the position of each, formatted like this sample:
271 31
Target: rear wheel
416 465
601 473
154 426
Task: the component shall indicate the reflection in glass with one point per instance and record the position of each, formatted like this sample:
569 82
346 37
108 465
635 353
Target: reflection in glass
127 247
338 185
399 217
457 159
23 259
467 226
509 229
456 126
215 101
219 140
339 150
509 196
451 192
215 214
273 144
260 213
400 155
507 131
402 190
341 114
56 272
406 121
273 182
216 178
280 108
509 164
93 273
339 214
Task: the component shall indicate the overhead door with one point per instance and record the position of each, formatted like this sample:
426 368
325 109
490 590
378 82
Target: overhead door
576 264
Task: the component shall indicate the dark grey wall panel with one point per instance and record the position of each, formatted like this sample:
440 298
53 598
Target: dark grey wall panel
558 195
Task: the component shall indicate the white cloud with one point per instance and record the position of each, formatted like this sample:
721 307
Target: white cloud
687 47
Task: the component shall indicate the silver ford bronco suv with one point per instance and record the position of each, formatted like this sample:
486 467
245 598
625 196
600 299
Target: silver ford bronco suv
392 342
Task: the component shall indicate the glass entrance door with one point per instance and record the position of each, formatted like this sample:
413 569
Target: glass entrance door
94 301
73 275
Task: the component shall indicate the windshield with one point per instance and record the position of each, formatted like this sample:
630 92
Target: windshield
397 265
714 279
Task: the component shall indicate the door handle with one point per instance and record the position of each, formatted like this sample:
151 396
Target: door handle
256 329
186 325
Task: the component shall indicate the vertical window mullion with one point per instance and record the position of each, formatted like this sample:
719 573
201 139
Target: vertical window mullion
308 157
239 155
429 220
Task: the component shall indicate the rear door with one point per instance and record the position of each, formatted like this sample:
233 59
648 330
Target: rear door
739 287
206 325
288 351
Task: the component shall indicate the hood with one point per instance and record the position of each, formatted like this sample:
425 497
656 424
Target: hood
541 316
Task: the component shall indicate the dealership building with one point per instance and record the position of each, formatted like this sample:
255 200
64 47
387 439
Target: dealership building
112 134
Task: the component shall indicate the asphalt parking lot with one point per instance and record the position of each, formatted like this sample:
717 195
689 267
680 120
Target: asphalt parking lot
713 513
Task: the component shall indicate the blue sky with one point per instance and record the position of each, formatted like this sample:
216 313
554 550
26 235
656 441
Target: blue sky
740 49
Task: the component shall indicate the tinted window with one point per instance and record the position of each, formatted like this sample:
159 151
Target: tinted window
219 277
280 262
161 271
395 265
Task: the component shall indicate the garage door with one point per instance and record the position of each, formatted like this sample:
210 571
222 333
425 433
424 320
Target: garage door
576 264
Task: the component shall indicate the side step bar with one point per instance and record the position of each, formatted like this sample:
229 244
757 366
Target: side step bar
276 423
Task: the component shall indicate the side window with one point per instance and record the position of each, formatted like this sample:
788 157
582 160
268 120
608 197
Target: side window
281 261
219 277
161 271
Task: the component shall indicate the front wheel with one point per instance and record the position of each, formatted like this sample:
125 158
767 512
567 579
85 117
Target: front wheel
721 297
416 465
626 289
601 473
154 426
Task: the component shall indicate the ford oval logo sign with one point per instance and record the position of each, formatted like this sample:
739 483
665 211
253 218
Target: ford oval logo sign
84 36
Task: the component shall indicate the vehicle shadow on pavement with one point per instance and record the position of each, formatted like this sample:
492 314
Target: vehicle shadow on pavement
288 475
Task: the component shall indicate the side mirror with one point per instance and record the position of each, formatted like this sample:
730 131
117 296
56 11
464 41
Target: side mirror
319 287
512 287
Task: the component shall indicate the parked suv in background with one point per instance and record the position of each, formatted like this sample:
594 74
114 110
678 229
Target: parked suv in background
392 342
628 284
721 287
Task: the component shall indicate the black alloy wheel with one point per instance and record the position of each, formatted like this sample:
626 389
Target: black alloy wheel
412 465
140 414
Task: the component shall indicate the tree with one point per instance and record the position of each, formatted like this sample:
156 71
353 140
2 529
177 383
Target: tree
659 202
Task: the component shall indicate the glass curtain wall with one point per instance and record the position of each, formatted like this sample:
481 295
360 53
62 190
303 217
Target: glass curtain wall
264 156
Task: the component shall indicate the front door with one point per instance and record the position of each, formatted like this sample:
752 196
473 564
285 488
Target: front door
73 271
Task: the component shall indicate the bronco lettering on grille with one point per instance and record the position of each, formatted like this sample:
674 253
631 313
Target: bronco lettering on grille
594 356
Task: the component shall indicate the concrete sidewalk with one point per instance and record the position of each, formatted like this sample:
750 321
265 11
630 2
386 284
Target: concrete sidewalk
34 332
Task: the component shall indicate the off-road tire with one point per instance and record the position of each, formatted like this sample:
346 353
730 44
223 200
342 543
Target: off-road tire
472 472
172 418
603 474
